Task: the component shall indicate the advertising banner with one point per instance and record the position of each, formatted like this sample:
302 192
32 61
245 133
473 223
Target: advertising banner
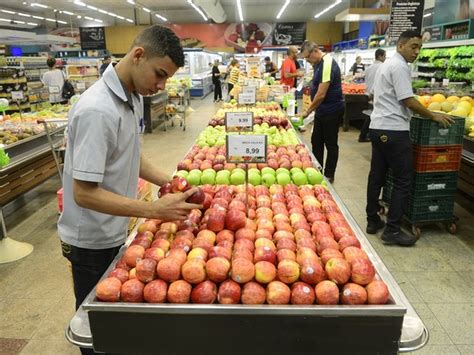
92 37
289 33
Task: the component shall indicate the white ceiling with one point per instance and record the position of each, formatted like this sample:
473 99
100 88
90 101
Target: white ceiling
176 11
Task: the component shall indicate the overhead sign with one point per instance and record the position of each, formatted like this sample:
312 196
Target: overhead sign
92 37
288 33
405 15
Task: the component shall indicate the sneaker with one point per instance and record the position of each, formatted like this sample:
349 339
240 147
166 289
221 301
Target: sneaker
374 227
399 238
330 179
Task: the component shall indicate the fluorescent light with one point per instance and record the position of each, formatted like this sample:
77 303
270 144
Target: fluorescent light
131 2
103 11
337 2
129 20
428 14
161 17
80 3
120 17
239 8
98 20
20 22
282 9
8 12
112 14
88 18
199 10
24 15
91 7
39 5
50 19
79 16
32 24
4 20
63 22
68 13
145 9
38 17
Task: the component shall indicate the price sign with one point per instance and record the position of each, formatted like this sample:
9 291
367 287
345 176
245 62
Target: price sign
247 98
246 148
239 121
445 82
18 95
251 90
81 86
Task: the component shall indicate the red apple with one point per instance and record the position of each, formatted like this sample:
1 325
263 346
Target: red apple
329 254
226 235
253 293
217 269
351 253
263 233
204 293
194 271
363 271
133 254
302 293
242 270
242 253
108 290
312 272
149 225
278 293
162 244
264 242
286 243
121 264
353 294
306 243
155 291
302 233
286 254
198 253
305 254
179 292
288 271
348 241
377 292
264 254
145 270
219 251
216 221
132 291
198 197
169 269
265 272
178 254
181 243
229 292
120 274
338 270
327 293
327 243
245 244
245 233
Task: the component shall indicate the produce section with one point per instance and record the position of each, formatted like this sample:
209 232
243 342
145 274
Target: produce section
275 243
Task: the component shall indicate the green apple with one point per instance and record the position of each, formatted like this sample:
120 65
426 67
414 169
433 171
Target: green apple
208 179
222 179
196 172
225 173
210 172
254 171
193 179
300 179
254 179
283 179
268 179
314 176
237 178
268 170
295 170
282 170
324 183
182 173
238 170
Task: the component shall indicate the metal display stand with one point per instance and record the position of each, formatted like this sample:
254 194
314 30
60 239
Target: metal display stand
177 106
245 329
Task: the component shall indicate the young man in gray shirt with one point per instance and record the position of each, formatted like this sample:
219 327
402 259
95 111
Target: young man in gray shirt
389 132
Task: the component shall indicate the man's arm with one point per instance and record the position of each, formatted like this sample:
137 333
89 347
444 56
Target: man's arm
318 98
152 173
170 207
415 106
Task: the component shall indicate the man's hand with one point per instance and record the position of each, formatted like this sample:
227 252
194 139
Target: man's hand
173 206
443 119
300 73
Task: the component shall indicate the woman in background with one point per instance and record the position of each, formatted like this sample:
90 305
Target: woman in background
216 80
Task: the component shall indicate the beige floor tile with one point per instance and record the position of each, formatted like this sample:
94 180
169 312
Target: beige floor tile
410 292
420 258
466 349
457 320
438 336
50 347
55 321
437 350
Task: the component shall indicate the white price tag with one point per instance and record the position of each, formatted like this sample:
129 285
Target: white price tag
81 86
18 95
246 148
251 90
433 81
246 99
445 82
239 121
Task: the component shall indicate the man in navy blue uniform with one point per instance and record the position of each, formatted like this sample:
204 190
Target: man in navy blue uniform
328 104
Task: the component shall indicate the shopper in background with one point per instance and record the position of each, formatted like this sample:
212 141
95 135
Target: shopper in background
389 132
270 67
103 159
288 68
234 72
357 67
54 79
105 63
328 104
216 80
380 57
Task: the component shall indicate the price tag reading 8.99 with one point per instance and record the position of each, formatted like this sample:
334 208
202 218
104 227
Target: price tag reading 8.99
246 148
239 121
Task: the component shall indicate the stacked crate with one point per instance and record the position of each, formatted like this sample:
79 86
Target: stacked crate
436 159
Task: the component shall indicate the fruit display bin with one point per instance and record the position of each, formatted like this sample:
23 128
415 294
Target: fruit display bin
424 131
247 329
437 158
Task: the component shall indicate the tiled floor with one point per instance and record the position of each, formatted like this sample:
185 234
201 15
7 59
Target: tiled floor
36 299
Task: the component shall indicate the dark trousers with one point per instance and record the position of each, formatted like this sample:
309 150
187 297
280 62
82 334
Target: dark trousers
364 131
390 149
88 266
325 133
229 88
217 91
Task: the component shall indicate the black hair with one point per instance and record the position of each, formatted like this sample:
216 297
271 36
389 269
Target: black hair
51 62
107 57
267 59
407 35
379 53
161 42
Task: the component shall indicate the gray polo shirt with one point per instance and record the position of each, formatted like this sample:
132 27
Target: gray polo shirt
103 146
392 85
370 76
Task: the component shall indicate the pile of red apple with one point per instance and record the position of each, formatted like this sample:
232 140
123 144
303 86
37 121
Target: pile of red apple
276 245
215 158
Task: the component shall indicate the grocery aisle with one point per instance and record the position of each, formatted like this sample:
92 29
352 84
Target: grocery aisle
36 299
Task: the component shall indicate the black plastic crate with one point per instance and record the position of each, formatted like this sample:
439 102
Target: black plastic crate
424 131
430 209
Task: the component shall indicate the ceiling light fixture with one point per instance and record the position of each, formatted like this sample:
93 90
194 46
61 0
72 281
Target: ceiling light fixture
145 9
50 19
38 17
131 2
98 20
129 20
32 24
88 18
8 12
337 2
120 17
19 22
161 17
68 13
79 3
79 16
39 5
91 7
63 22
239 8
103 11
428 14
24 15
199 10
283 9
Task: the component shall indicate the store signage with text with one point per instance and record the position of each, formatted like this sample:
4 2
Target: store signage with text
246 148
92 37
405 15
239 121
288 33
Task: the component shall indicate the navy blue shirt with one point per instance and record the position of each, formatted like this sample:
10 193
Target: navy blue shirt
328 70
